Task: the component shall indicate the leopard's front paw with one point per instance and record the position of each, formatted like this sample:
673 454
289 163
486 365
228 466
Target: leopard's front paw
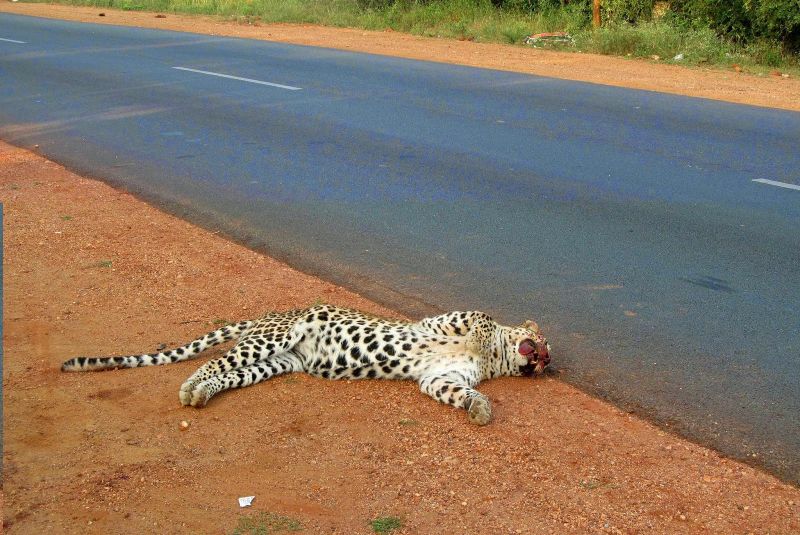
185 396
200 396
185 393
480 411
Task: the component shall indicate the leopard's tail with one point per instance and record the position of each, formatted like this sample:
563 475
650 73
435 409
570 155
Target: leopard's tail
185 352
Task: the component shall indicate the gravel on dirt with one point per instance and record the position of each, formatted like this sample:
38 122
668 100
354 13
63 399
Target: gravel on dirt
89 270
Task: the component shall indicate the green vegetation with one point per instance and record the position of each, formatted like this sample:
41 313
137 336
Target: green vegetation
756 35
266 524
386 524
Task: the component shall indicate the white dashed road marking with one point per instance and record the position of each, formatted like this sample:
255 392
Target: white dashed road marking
250 80
12 41
776 183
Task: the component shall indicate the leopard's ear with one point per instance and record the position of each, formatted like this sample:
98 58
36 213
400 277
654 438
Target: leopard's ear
531 326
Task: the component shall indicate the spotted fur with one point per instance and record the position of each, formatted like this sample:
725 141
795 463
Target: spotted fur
447 355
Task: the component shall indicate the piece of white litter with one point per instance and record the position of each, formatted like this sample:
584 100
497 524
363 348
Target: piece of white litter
679 57
246 501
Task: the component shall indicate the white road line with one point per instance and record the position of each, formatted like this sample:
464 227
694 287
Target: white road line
13 41
260 82
776 183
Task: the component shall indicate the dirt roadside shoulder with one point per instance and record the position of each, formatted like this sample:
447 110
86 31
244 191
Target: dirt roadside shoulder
767 91
90 270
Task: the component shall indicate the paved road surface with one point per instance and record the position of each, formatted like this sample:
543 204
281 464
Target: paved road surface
629 223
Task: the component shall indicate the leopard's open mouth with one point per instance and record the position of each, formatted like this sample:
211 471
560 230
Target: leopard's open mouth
538 355
533 368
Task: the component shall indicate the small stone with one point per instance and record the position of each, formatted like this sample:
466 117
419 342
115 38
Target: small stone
683 517
184 425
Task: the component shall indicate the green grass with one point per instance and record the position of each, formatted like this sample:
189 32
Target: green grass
480 20
266 524
696 46
386 524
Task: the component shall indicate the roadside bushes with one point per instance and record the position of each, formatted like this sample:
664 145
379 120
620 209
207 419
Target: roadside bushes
744 22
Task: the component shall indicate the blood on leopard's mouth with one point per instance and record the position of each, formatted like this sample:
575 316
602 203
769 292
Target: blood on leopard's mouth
538 356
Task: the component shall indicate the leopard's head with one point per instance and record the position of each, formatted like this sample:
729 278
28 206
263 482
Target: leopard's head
530 350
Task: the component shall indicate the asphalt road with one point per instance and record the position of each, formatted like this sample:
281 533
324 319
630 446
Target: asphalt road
629 223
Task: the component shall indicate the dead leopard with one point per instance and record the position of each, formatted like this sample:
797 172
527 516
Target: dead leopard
447 355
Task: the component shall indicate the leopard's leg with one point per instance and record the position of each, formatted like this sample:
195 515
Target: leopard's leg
456 388
244 353
453 323
244 376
